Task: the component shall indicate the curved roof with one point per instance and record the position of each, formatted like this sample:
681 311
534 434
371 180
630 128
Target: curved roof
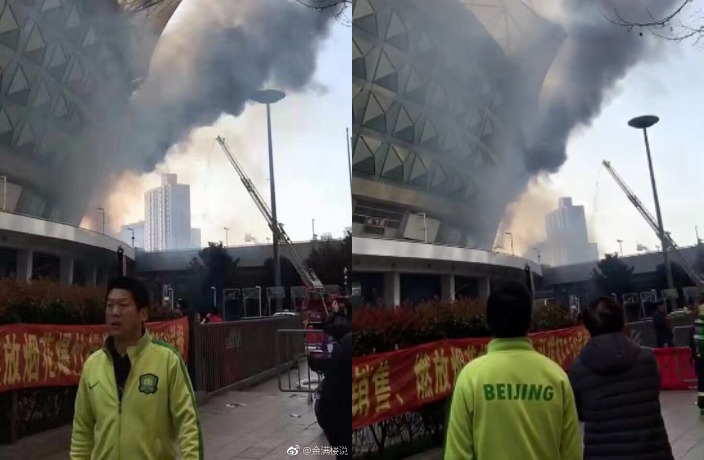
156 12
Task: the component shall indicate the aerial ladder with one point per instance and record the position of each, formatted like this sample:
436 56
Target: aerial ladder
684 263
314 308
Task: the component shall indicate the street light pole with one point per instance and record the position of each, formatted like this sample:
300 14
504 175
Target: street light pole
620 247
131 230
103 211
269 97
511 236
643 123
313 225
4 192
425 227
227 229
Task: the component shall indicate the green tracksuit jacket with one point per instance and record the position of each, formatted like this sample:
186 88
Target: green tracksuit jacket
513 404
157 411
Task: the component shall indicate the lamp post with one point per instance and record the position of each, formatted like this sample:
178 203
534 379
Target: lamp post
643 123
268 97
215 296
425 227
620 247
510 235
4 192
315 237
259 298
102 210
131 230
227 229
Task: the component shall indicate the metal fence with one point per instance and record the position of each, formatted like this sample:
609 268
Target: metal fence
257 301
230 353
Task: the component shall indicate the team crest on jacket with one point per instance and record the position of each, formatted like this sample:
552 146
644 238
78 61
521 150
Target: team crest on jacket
148 383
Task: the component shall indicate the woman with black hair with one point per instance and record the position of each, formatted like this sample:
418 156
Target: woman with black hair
616 384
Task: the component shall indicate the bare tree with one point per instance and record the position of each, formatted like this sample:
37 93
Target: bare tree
680 24
341 7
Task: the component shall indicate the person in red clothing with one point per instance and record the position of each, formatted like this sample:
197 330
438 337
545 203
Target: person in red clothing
212 317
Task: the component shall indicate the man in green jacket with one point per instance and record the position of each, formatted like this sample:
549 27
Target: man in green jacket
513 403
135 400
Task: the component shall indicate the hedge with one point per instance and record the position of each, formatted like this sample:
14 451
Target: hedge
379 330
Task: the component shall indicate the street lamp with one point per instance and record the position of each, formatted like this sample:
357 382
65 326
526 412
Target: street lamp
510 235
103 211
314 235
4 191
131 230
268 97
620 247
227 229
425 226
643 123
215 296
259 297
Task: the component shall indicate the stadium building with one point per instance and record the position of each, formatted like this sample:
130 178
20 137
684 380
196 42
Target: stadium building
56 57
438 114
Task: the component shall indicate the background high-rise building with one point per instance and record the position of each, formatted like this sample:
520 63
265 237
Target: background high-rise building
568 239
195 238
138 229
167 222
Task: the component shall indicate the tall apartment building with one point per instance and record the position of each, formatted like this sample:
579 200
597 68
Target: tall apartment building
568 239
195 238
167 223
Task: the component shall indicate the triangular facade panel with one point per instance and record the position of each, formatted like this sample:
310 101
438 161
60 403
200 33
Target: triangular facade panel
51 5
42 96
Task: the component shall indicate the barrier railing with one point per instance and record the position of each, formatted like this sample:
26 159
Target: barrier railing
310 362
230 353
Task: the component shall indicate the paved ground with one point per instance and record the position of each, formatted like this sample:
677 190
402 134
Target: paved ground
684 425
261 423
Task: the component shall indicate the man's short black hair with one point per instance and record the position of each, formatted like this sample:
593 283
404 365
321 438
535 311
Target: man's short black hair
604 316
134 286
509 311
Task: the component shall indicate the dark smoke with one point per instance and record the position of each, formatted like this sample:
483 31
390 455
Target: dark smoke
598 54
208 65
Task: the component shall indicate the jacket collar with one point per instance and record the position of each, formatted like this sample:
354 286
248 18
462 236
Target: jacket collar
520 343
133 351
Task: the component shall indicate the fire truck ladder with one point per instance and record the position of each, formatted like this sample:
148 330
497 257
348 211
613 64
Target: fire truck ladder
310 279
686 266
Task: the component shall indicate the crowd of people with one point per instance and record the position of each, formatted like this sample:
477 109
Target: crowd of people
606 406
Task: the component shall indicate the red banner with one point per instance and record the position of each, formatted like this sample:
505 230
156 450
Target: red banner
44 355
389 384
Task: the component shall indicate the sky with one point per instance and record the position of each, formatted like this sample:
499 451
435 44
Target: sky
310 158
669 88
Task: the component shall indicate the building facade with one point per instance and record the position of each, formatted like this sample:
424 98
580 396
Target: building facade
167 223
567 236
57 60
195 238
436 121
439 111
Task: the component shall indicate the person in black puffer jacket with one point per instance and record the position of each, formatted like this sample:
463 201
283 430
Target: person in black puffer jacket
334 411
616 384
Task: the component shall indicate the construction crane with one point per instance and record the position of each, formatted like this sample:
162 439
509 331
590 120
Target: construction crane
314 308
686 266
310 279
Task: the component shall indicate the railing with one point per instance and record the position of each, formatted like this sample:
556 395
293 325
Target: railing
235 352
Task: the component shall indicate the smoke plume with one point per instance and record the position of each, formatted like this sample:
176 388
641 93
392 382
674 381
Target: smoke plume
208 65
525 218
595 56
567 63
